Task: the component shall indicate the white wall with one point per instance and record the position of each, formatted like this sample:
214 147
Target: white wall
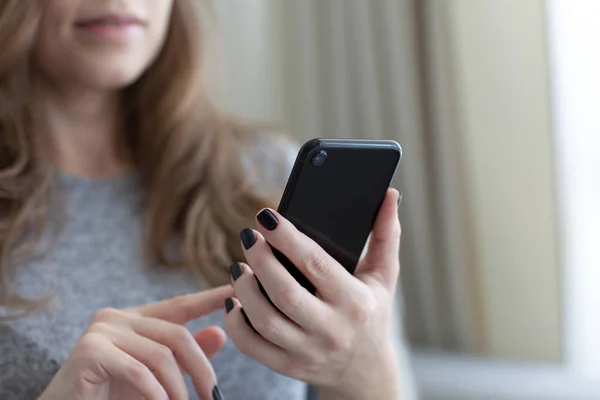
251 77
574 32
499 48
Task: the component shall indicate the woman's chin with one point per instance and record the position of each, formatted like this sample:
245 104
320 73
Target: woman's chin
114 81
108 78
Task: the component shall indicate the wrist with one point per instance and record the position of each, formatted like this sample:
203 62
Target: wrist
378 383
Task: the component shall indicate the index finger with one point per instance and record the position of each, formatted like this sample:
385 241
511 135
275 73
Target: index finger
332 281
182 309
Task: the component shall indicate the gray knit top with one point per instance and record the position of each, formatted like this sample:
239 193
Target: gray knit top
97 262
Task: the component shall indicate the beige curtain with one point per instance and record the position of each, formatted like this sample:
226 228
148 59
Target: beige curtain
373 69
358 69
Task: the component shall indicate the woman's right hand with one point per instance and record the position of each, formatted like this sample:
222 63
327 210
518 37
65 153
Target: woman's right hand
143 353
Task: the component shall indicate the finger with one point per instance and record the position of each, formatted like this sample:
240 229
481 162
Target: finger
285 292
157 357
332 281
182 309
268 321
184 348
381 260
211 340
252 344
118 365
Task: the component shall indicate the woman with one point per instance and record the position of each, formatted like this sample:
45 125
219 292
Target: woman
108 141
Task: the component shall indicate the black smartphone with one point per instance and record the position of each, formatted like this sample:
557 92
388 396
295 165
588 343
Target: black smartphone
334 193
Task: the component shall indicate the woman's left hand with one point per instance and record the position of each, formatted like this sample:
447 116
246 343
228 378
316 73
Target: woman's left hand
340 339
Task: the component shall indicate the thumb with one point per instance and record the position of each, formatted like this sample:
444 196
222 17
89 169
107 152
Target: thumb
211 340
382 259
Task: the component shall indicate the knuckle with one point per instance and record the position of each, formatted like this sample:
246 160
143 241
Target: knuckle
106 314
289 300
162 355
269 326
90 345
336 341
182 335
316 264
100 327
137 371
360 312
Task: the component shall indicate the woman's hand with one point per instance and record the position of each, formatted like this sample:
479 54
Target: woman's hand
143 353
338 340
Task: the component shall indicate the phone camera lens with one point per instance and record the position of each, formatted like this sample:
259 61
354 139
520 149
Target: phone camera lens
319 158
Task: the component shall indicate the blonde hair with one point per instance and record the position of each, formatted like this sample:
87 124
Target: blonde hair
185 149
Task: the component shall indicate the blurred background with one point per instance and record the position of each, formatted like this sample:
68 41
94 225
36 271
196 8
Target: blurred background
497 106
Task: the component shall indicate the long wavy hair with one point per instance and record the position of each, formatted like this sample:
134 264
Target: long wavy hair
188 153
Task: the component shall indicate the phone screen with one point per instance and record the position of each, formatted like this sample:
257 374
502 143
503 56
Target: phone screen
334 195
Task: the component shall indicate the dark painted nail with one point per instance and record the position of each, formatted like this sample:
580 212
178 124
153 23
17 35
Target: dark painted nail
268 219
217 395
248 238
236 270
228 304
248 320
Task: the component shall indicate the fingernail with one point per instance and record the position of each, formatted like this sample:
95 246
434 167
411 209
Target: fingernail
236 270
228 304
268 219
248 320
399 199
217 395
248 238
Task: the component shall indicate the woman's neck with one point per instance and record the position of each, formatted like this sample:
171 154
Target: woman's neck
87 131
